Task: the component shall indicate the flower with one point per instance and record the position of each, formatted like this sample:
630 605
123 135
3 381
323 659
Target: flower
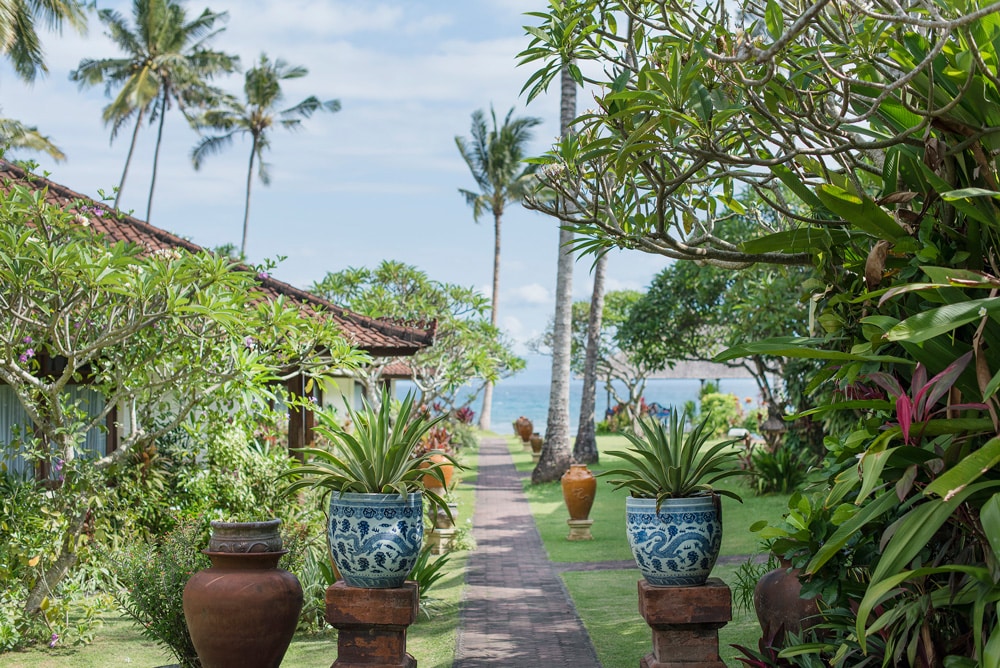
249 343
53 640
27 339
263 274
26 355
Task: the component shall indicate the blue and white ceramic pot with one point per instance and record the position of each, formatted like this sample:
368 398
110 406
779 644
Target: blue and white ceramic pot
375 538
678 546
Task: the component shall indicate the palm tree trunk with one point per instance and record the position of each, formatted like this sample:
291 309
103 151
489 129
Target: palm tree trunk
156 153
128 158
585 446
556 455
485 416
246 206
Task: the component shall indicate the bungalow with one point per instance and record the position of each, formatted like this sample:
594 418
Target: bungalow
379 338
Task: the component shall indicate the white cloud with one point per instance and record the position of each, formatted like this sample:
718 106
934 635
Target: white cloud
532 293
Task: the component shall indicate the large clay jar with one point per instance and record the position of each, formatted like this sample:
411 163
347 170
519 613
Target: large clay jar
447 470
243 610
780 608
524 428
537 442
578 488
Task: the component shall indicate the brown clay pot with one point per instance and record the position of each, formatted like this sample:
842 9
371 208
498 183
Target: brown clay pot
243 610
447 470
578 487
524 428
780 608
537 442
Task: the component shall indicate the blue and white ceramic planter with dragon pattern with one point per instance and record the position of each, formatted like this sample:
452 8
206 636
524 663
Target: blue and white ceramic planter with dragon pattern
678 546
375 538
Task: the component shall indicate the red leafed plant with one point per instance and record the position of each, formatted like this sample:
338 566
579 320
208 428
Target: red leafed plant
921 404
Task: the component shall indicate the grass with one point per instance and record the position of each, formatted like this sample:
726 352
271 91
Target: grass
430 640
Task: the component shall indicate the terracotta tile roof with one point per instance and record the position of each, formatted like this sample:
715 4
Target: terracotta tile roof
380 338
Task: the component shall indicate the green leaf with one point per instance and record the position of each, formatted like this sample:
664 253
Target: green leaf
774 19
928 324
860 211
850 529
790 179
967 471
989 516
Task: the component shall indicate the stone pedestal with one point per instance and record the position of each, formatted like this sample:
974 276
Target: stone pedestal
371 625
439 540
685 623
535 456
579 530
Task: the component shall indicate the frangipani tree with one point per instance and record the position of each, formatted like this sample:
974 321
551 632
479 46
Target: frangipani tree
467 348
170 334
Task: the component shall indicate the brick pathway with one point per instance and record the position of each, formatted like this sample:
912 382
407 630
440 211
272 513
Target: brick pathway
516 610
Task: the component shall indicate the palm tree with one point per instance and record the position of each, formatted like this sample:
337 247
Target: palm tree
18 37
17 135
556 454
256 117
585 445
496 159
166 63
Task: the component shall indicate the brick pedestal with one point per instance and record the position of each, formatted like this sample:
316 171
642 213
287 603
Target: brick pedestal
685 623
371 625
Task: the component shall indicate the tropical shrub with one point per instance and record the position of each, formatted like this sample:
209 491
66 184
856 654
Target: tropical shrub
148 580
780 472
721 411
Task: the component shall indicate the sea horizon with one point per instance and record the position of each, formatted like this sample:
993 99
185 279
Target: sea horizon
513 398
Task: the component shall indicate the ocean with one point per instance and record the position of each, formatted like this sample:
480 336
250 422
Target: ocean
514 399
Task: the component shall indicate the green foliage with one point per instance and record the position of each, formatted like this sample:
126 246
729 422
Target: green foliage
467 348
721 412
148 581
780 472
426 573
669 463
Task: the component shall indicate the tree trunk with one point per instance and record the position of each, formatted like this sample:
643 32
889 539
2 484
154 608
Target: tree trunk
556 454
58 569
585 446
486 415
128 158
246 204
156 154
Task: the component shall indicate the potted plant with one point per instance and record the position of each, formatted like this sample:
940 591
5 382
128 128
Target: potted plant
375 484
673 514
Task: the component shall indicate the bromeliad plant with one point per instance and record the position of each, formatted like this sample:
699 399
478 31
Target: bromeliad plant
376 457
670 464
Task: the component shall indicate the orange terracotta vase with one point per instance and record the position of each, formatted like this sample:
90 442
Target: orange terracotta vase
447 470
579 486
524 428
537 442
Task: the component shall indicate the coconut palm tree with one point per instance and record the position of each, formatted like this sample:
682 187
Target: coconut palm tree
585 445
166 63
256 117
495 157
17 135
18 37
556 453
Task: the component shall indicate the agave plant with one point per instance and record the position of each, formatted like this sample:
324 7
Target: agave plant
670 464
376 457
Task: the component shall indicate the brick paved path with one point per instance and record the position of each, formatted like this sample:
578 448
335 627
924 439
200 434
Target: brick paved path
516 610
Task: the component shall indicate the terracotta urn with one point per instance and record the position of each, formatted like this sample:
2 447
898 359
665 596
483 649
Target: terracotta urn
524 428
780 608
447 470
578 488
537 442
243 610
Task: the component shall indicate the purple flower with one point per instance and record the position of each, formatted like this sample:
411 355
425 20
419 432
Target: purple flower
57 465
27 339
249 343
26 355
263 274
54 640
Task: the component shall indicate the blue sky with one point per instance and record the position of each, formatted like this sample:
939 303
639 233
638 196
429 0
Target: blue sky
377 180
